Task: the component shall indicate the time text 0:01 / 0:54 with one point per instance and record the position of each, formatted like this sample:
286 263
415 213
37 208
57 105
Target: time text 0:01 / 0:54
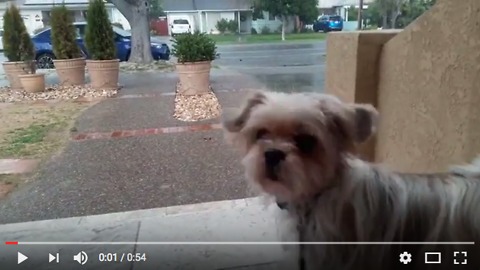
122 257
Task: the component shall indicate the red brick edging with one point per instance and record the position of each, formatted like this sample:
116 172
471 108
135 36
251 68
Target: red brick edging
143 132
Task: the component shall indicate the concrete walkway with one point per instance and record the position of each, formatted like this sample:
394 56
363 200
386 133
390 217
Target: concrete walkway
243 220
129 153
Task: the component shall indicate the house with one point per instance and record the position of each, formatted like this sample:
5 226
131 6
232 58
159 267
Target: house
203 15
272 23
36 13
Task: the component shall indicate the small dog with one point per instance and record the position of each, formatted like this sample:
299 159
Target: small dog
300 148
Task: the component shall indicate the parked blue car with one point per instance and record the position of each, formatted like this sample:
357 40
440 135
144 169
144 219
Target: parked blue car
44 51
327 23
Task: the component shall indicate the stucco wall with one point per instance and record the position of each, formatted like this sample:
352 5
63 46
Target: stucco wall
429 90
352 70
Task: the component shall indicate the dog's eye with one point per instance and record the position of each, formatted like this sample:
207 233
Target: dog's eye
305 143
260 134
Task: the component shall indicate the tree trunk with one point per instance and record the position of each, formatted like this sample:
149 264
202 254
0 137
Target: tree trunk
298 24
283 28
136 13
384 20
395 15
393 21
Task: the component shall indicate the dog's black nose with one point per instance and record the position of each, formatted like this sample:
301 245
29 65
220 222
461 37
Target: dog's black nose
273 157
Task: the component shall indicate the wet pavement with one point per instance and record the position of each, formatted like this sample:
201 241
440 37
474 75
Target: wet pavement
280 67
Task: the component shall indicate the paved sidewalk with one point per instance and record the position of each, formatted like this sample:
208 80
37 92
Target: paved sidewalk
124 156
243 220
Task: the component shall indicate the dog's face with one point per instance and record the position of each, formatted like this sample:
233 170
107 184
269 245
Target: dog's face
293 144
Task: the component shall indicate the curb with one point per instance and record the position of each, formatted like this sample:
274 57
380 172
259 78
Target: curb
17 166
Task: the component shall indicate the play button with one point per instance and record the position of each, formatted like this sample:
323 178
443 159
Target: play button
21 257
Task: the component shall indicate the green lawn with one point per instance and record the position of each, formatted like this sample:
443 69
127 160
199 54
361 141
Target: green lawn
261 38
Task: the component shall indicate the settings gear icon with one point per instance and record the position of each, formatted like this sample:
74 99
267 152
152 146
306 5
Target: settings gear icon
405 257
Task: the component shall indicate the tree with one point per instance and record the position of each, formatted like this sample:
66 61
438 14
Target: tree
156 9
352 13
412 9
16 41
137 13
373 15
278 8
99 35
398 13
306 11
63 34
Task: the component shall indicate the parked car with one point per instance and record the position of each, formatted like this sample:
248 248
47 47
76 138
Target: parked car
180 26
44 51
327 23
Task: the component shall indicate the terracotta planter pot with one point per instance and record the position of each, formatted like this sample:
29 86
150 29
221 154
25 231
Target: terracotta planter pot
33 82
103 73
70 71
12 70
194 77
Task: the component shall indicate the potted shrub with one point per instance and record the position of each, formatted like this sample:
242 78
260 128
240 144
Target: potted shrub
32 81
69 61
13 27
103 65
195 53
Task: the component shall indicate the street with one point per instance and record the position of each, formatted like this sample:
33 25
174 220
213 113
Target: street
281 67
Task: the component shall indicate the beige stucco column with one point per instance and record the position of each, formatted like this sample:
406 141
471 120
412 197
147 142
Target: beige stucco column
352 69
429 96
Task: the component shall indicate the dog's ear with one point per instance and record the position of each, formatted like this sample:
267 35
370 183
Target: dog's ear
233 120
351 122
365 121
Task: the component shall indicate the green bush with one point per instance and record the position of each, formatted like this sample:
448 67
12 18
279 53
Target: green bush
99 35
306 30
232 26
253 31
222 25
17 44
265 30
64 34
194 47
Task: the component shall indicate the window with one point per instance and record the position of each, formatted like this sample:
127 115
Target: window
180 21
335 18
78 35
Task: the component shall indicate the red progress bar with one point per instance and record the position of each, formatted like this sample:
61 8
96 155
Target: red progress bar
11 243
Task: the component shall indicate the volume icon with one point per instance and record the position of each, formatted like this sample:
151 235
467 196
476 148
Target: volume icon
52 258
81 257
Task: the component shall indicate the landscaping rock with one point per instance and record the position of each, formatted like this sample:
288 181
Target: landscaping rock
191 108
156 66
55 92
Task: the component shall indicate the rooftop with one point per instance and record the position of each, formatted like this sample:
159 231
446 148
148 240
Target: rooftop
189 5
